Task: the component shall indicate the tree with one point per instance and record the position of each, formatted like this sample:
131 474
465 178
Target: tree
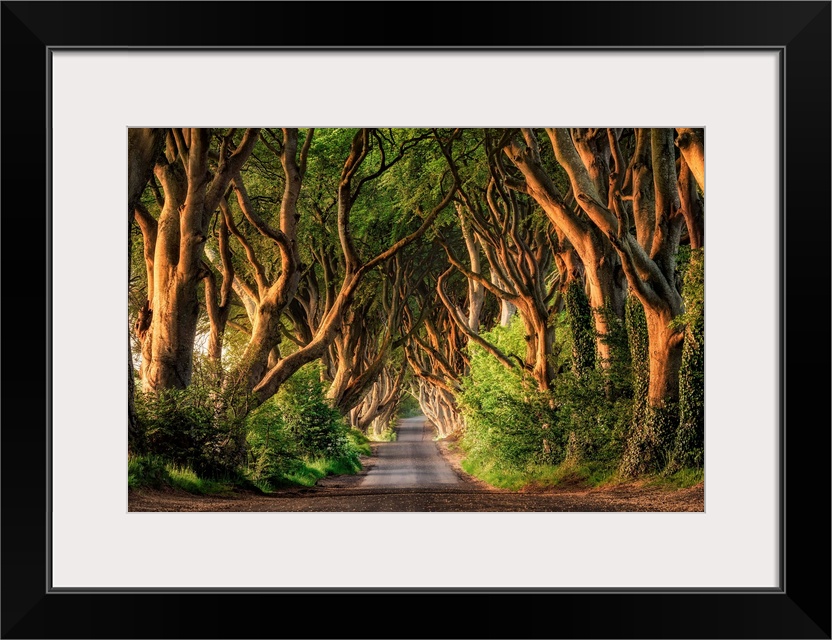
596 255
649 265
193 183
354 267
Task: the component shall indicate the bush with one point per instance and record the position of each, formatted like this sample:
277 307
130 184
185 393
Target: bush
272 454
296 436
512 428
200 427
595 424
508 422
206 432
316 427
147 471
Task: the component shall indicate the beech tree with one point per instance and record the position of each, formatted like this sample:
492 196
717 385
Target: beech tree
596 256
392 255
436 355
355 268
193 184
649 265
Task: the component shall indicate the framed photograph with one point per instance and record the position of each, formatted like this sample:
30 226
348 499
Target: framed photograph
755 75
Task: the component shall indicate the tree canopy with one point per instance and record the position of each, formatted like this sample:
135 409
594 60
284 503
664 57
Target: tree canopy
539 289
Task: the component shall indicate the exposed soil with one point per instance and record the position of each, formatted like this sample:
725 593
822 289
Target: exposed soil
345 494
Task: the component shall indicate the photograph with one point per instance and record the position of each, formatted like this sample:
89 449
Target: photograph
413 313
391 319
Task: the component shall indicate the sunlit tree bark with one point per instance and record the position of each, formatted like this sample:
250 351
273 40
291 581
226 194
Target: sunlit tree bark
143 146
192 192
602 267
355 269
651 274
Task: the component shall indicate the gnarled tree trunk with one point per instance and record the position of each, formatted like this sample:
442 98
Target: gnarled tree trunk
191 195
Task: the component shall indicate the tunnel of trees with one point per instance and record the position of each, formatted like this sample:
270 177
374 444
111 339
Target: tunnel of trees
536 293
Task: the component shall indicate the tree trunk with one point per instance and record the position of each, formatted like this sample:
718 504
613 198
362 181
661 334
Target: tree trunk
540 338
192 194
665 358
691 143
143 146
476 292
605 280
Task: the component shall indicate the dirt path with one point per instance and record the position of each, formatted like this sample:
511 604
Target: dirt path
370 491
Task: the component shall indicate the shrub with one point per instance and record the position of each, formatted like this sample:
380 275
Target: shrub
200 427
595 424
147 471
508 422
296 436
512 428
316 427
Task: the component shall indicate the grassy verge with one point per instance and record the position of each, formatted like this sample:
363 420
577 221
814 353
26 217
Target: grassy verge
589 474
308 472
682 479
154 473
360 443
585 474
388 435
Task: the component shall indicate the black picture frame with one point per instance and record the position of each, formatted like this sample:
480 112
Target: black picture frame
800 608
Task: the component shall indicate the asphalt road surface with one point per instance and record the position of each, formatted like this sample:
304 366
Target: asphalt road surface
411 461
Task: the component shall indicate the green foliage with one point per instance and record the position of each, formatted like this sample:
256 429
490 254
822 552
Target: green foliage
636 327
154 473
690 440
186 479
359 442
192 436
650 441
408 407
272 453
618 372
587 473
507 419
387 435
513 430
583 329
308 472
147 471
201 427
596 422
316 427
296 436
681 479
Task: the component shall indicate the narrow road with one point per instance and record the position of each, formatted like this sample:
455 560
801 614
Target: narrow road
411 461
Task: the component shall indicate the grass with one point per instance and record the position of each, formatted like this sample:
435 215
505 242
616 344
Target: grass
682 479
360 442
154 473
185 479
388 435
587 474
490 473
308 472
